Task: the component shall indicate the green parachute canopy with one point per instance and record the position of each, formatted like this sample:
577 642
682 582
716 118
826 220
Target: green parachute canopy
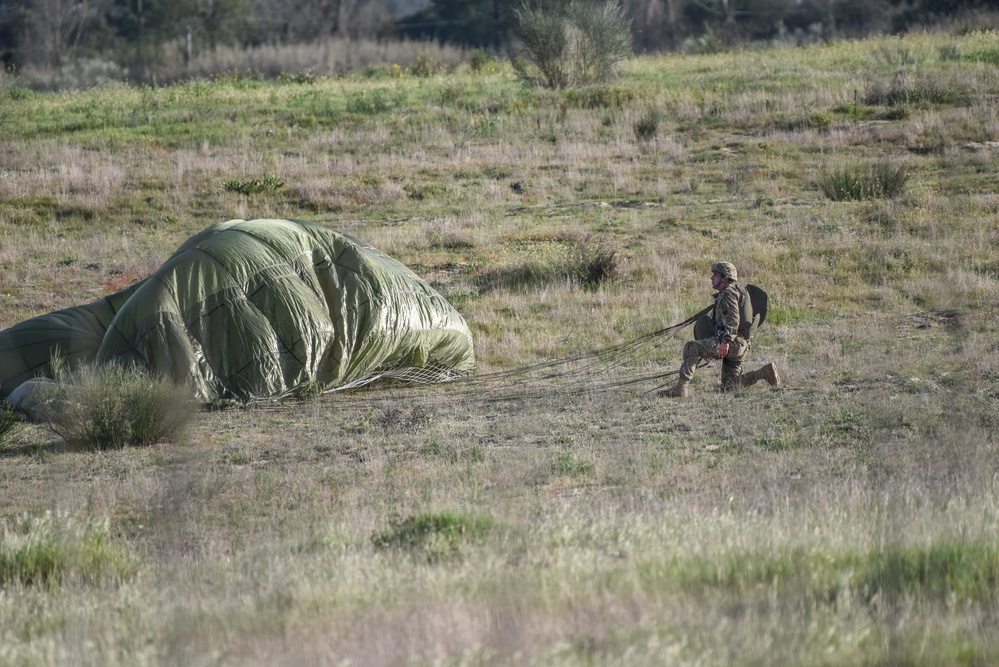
257 309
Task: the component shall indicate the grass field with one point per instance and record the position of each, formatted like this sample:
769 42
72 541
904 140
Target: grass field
850 518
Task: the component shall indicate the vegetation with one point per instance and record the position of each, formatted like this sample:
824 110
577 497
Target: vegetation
113 407
51 549
881 180
848 518
67 44
578 43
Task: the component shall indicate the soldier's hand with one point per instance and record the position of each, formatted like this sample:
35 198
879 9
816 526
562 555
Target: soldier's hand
722 350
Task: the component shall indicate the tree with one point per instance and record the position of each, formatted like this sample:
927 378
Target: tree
308 20
482 23
57 29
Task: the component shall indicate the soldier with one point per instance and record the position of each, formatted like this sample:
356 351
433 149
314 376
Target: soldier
733 322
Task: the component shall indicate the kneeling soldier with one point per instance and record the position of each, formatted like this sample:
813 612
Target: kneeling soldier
734 321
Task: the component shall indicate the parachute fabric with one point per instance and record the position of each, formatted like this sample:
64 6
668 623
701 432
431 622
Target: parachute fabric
257 309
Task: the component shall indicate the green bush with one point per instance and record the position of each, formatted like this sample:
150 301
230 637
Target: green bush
879 181
572 44
114 406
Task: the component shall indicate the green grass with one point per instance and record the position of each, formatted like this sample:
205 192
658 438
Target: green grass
846 519
46 551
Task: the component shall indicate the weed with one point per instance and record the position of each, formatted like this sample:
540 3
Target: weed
944 571
566 464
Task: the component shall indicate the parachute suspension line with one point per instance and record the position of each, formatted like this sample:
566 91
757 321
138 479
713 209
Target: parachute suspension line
599 370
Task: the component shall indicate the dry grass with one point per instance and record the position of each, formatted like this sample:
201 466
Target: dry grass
729 529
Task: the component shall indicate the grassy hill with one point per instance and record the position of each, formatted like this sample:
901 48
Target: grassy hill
849 518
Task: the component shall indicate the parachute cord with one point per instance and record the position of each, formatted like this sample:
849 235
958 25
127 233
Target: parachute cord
596 371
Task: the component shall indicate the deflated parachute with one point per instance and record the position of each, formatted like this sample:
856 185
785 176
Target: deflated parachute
255 309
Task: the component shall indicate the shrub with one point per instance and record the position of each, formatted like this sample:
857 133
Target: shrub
879 181
115 406
573 44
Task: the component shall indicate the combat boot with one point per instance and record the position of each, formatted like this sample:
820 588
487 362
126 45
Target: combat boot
679 390
767 373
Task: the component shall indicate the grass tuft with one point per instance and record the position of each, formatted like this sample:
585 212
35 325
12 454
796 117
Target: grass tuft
581 261
44 550
114 407
943 571
647 127
434 536
254 185
879 181
10 423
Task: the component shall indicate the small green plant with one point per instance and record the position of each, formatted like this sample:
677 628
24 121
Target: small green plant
44 550
115 406
878 181
254 185
577 43
647 127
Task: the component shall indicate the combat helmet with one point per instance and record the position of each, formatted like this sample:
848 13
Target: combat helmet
726 270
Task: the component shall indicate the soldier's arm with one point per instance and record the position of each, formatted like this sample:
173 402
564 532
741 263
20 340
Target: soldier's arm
728 315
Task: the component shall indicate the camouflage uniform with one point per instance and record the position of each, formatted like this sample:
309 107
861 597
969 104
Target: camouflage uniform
727 318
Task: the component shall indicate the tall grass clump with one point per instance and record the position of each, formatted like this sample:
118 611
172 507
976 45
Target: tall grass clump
116 406
878 181
44 550
580 261
572 44
647 126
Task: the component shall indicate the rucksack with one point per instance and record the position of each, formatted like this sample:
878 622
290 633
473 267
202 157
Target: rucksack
753 304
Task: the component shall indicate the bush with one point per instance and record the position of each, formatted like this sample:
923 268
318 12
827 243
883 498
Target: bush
573 44
879 181
114 406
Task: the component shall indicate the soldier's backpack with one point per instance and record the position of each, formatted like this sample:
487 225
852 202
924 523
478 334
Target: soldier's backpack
753 307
